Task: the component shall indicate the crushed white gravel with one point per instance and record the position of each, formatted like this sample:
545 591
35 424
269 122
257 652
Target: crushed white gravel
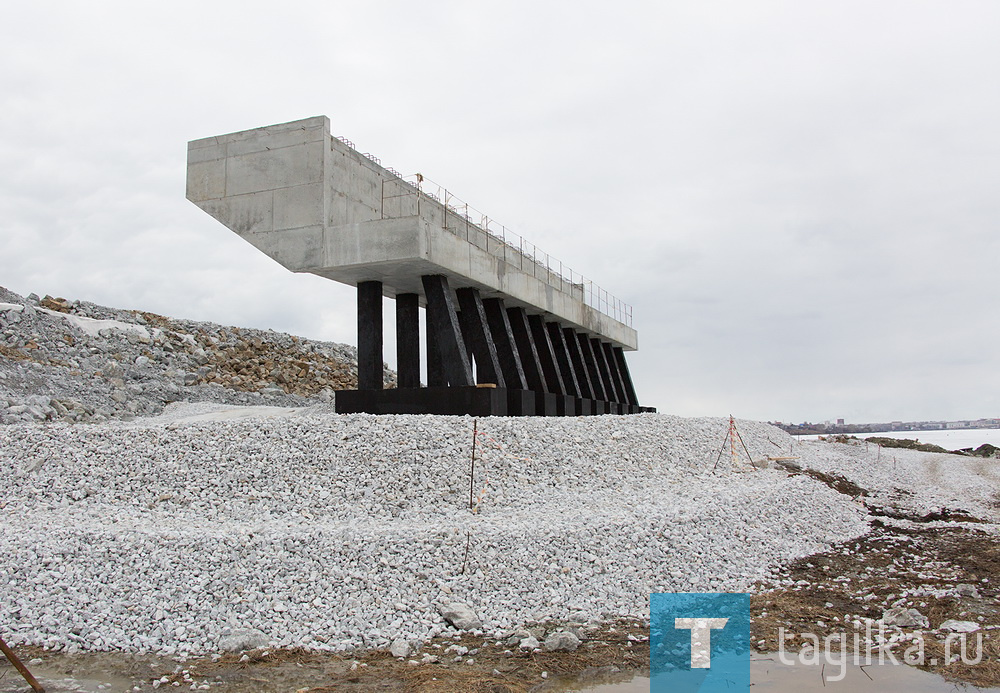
217 526
170 534
910 480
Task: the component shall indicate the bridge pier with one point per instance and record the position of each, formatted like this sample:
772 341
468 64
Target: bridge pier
477 363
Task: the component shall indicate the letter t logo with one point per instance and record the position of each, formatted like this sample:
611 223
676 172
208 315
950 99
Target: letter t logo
701 638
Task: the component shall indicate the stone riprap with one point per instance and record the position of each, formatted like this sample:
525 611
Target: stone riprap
81 362
214 527
911 482
176 533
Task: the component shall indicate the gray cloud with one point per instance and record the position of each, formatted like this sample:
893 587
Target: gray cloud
798 199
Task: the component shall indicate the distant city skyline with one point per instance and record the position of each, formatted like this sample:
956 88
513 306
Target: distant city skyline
932 425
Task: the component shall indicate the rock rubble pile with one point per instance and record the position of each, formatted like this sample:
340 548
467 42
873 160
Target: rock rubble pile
81 362
912 483
173 534
180 521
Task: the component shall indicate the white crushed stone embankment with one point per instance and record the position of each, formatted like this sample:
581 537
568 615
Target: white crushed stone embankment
339 531
910 480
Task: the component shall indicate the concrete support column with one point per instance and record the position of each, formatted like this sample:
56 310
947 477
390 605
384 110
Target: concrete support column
590 360
610 394
626 377
526 348
477 333
408 340
503 340
576 357
443 322
371 374
563 359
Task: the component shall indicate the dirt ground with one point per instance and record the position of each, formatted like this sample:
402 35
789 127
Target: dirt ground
883 565
611 654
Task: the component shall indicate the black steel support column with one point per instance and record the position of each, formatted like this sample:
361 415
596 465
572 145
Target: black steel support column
587 349
602 367
526 348
448 335
553 378
435 362
371 374
408 340
466 337
582 374
563 359
477 333
616 376
626 377
503 340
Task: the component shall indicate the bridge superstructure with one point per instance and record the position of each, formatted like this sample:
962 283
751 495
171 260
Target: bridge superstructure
509 329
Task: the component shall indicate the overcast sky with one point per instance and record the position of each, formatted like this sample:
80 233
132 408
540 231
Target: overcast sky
800 199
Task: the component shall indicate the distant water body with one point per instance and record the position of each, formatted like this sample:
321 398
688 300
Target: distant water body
950 439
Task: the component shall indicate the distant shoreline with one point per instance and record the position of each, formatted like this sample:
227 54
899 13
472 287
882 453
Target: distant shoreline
950 439
878 428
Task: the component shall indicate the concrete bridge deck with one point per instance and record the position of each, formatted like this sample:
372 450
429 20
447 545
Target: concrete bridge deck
315 204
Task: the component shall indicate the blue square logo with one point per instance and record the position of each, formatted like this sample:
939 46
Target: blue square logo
699 642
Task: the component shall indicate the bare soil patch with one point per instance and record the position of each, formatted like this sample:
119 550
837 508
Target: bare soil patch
863 577
613 653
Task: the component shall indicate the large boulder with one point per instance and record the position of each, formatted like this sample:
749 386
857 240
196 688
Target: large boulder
561 641
242 639
401 647
529 644
967 590
461 616
902 617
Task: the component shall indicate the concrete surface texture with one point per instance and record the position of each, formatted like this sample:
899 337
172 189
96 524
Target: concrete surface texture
315 204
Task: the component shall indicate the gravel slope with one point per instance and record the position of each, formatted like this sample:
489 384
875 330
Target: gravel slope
81 362
337 531
142 510
910 481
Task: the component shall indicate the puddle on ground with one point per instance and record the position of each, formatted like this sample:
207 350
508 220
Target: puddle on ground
767 676
775 677
640 684
772 675
54 681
